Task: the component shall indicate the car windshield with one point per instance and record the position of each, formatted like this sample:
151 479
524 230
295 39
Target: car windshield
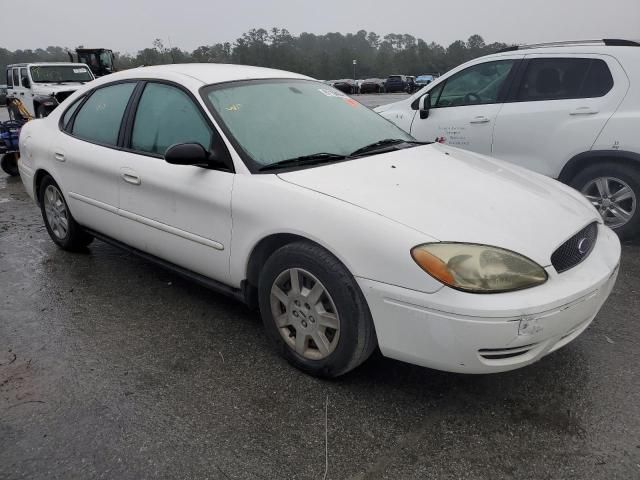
60 73
276 120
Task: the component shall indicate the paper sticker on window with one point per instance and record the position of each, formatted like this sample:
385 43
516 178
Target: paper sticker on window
234 108
79 70
330 93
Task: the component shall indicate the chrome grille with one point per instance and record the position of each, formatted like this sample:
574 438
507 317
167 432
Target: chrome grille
576 249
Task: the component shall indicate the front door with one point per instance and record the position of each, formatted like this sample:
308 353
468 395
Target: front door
464 107
180 213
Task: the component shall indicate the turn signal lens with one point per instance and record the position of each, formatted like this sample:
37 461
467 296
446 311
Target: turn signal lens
478 268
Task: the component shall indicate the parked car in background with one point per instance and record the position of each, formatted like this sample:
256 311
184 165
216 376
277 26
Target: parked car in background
372 85
411 84
346 85
344 238
567 110
41 87
424 80
395 83
3 94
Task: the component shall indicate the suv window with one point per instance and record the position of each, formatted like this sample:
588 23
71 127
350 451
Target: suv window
9 78
16 79
100 117
564 78
23 75
166 115
476 85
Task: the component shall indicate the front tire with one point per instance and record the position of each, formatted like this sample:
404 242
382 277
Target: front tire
62 227
9 164
614 189
42 111
314 311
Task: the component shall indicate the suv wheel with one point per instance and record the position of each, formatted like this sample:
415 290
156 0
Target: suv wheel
62 227
614 190
314 311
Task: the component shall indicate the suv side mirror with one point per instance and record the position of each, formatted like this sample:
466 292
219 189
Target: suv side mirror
25 82
195 154
424 105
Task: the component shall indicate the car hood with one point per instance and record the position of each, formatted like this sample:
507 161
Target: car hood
49 88
454 195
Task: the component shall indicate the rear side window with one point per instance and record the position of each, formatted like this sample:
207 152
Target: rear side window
564 78
165 116
100 117
9 78
66 118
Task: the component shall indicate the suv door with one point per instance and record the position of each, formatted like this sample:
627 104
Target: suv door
465 105
557 109
86 159
180 213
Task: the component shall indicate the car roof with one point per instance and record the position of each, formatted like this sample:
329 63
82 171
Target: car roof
41 64
206 73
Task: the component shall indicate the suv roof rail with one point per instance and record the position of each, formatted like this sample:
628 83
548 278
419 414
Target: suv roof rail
609 42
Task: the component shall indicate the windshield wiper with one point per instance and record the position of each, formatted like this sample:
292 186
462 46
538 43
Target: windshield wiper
383 143
313 159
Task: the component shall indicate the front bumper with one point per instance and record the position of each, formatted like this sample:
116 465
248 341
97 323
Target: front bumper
471 333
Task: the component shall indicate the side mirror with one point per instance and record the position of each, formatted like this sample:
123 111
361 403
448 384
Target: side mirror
25 82
187 154
424 105
195 154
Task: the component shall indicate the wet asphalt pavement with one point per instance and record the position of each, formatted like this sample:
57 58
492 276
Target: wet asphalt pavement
113 368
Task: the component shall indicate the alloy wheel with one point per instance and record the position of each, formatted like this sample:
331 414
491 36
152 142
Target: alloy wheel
56 212
305 314
614 199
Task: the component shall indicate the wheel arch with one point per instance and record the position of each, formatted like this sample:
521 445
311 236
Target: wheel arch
261 252
37 181
586 159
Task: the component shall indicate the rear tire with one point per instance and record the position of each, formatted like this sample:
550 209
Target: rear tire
9 164
319 322
614 189
62 227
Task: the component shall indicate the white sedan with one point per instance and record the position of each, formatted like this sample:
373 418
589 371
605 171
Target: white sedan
344 231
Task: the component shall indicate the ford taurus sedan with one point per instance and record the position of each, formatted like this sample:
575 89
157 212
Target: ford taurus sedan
340 228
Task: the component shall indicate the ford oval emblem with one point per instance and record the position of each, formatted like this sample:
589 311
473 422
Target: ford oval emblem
583 246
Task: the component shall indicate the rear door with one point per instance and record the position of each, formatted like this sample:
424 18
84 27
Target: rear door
465 105
557 109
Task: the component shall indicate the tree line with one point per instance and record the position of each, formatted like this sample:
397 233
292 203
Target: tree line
328 56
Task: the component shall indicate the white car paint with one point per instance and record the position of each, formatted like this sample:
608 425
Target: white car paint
368 212
557 138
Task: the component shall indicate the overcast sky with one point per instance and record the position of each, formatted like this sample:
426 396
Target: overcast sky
130 25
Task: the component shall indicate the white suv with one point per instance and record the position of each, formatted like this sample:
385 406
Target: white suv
568 110
41 87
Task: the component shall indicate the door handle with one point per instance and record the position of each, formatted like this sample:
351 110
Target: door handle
583 111
131 178
59 156
480 119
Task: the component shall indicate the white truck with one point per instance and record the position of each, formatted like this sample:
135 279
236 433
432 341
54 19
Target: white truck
41 87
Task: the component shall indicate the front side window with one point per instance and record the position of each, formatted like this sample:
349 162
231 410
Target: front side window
100 117
9 78
23 75
16 77
166 116
564 78
476 85
60 73
276 120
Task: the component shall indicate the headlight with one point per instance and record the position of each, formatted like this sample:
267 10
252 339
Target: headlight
478 268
